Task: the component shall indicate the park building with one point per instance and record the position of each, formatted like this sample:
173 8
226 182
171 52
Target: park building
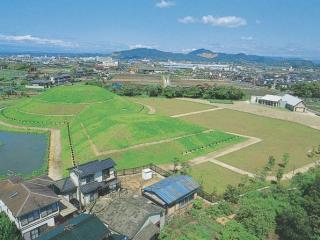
287 101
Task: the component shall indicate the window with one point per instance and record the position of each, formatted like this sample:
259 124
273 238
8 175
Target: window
26 219
35 233
91 197
105 174
49 209
89 178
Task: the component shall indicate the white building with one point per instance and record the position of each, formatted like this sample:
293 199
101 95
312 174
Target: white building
288 101
87 181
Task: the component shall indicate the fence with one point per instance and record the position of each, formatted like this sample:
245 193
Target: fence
131 171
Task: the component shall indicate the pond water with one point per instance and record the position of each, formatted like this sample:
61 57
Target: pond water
21 152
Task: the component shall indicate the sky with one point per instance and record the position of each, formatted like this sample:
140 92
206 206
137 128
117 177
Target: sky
263 27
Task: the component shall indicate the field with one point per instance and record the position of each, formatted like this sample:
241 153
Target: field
214 178
278 137
170 107
105 125
8 74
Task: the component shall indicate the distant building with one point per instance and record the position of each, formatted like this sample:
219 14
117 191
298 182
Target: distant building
136 218
88 181
172 193
61 79
82 227
287 101
31 205
294 103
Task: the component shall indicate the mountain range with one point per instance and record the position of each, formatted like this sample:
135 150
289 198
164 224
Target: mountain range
204 56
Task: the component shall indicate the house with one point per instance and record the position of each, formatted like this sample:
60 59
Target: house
88 181
82 227
293 103
32 206
61 79
135 217
172 193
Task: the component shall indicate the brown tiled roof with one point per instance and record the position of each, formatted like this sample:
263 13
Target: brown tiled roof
24 197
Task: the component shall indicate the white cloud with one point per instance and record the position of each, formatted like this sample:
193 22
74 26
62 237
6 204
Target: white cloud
36 40
247 38
141 46
187 20
227 21
187 50
165 4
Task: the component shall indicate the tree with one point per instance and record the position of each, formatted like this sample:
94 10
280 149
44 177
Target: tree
258 214
235 231
231 194
8 229
293 224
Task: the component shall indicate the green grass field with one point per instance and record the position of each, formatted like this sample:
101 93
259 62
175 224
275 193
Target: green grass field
109 122
170 107
9 74
215 178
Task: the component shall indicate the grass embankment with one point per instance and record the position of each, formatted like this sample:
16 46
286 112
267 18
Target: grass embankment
110 122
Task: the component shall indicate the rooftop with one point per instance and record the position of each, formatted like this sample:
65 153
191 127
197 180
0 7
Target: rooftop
171 189
24 197
271 98
291 100
82 227
94 166
127 215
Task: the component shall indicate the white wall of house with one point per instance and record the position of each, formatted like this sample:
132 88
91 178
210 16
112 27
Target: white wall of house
6 210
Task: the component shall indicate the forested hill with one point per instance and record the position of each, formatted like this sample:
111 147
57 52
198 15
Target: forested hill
204 55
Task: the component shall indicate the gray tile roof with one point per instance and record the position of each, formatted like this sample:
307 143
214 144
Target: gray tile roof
127 215
95 166
147 232
65 185
25 197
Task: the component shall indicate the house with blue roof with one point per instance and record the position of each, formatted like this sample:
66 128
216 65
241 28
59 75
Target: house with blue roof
172 193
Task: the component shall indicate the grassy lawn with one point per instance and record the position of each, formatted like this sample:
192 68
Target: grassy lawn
8 74
113 122
278 137
313 104
215 178
166 152
169 107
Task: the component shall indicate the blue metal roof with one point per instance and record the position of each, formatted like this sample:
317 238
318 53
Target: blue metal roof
173 188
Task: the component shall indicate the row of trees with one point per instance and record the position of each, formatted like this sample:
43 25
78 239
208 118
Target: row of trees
207 92
306 90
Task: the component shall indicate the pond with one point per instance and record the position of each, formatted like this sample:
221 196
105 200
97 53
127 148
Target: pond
22 153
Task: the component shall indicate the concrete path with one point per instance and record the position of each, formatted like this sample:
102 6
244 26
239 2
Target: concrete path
212 157
197 112
55 164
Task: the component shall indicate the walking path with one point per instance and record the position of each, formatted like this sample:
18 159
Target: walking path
212 157
152 110
55 163
196 112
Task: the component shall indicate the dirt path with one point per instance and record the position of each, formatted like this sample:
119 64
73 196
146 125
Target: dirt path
196 112
152 110
55 164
